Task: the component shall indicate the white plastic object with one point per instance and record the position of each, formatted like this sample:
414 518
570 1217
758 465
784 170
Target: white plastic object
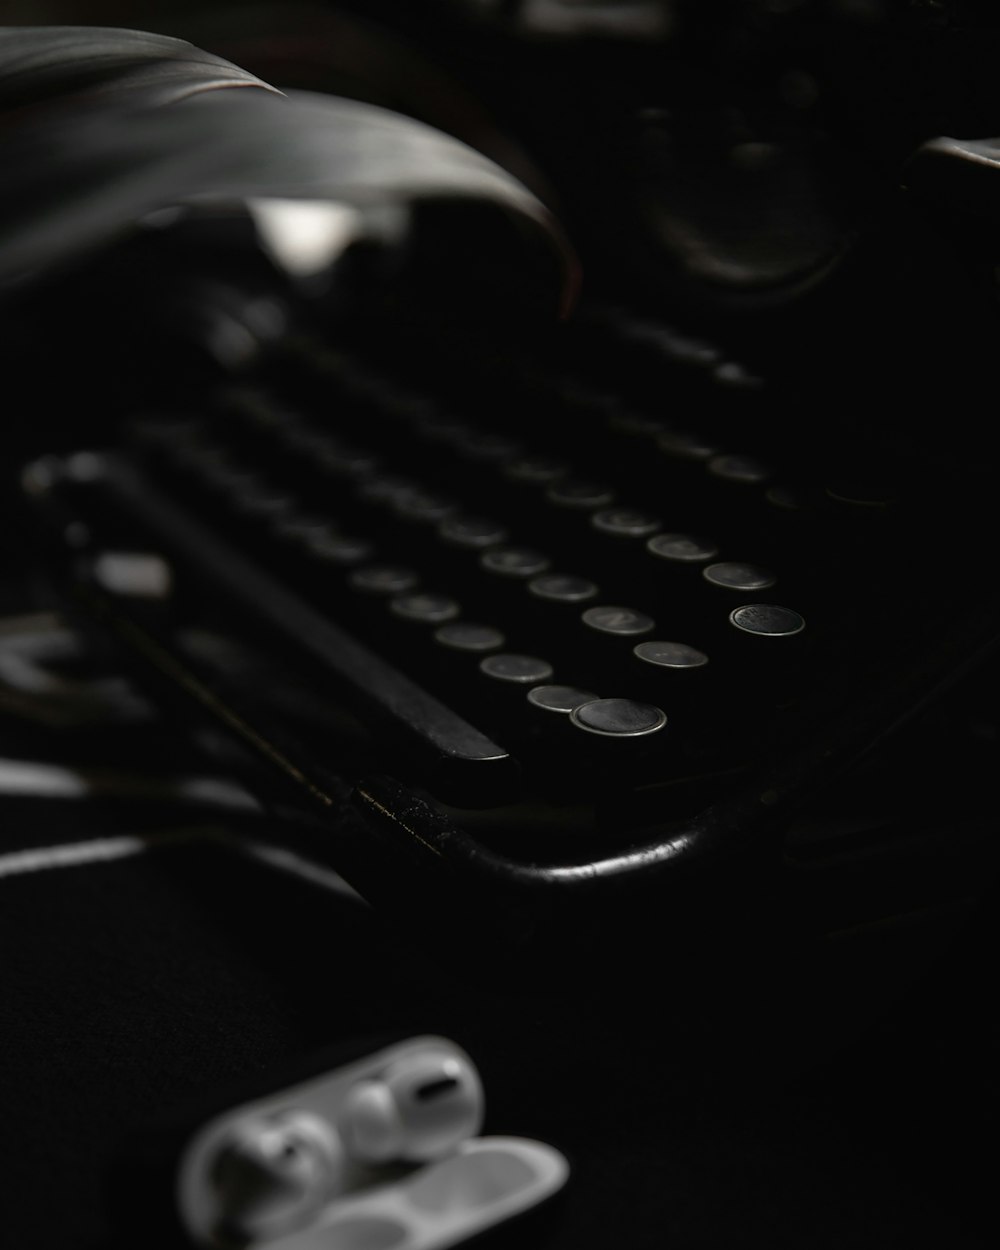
419 1109
381 1152
274 1172
485 1181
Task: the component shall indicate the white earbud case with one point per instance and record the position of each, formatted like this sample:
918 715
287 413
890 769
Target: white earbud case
381 1154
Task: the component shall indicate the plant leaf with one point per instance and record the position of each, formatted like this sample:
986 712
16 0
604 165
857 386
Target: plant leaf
103 127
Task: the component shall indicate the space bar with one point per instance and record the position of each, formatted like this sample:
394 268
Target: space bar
464 761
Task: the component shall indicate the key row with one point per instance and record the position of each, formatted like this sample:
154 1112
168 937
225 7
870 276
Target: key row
850 505
215 467
252 498
410 500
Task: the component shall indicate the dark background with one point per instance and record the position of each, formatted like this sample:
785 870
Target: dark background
833 1093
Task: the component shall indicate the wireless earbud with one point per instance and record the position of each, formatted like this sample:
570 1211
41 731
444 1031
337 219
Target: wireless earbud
273 1173
421 1107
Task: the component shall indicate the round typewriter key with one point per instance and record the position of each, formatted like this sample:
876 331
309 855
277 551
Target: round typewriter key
536 470
618 622
424 608
795 517
671 656
767 620
787 498
327 361
672 673
731 575
263 504
579 494
222 483
384 579
638 424
581 392
683 445
519 562
489 448
423 506
409 406
742 469
299 438
442 429
518 670
618 718
625 522
860 492
563 588
767 672
328 452
194 448
387 489
298 528
224 478
474 533
177 445
554 605
361 384
681 549
735 375
680 348
340 549
345 461
470 637
560 699
862 515
257 409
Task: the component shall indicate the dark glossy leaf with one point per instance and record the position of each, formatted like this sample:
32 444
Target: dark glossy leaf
103 127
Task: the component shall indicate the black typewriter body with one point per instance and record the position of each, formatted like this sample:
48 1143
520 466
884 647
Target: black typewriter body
680 606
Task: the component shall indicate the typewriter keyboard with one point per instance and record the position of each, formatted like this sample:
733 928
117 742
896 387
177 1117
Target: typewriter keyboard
539 577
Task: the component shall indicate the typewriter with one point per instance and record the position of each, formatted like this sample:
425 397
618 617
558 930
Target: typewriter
675 609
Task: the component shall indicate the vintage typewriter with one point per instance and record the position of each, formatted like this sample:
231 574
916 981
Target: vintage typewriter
675 609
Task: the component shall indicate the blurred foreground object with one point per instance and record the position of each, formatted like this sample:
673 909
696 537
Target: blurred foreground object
376 1147
102 128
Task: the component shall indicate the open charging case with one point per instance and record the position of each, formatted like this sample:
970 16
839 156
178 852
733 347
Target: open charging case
380 1154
